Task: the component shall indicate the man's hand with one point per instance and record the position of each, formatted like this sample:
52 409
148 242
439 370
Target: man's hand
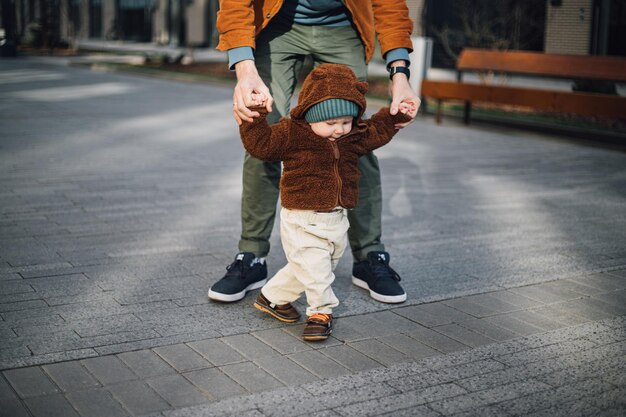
250 89
402 92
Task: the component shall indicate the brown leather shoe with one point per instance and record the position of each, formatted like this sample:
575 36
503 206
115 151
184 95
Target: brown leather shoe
318 327
283 312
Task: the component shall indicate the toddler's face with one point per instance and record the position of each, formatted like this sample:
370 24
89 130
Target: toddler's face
332 129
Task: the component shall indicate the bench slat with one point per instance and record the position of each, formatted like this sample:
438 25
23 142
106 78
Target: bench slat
535 63
550 101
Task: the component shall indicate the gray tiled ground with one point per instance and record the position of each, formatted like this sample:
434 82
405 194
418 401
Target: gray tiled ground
118 202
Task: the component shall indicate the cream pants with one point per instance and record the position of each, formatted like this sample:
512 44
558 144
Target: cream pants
313 243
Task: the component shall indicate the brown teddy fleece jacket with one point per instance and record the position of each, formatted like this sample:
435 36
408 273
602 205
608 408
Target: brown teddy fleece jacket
320 174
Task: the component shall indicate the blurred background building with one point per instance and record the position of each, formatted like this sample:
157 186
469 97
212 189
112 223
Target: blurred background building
596 27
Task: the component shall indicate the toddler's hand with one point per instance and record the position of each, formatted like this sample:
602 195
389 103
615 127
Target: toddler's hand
258 99
408 107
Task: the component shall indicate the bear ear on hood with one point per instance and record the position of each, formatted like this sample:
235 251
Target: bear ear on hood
362 87
318 73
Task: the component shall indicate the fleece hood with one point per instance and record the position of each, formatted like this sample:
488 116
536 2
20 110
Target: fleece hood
330 81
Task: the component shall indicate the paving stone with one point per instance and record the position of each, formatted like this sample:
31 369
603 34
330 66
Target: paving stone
29 360
576 287
391 322
513 324
96 326
410 347
488 329
11 407
137 397
287 372
30 382
325 413
608 400
6 392
350 358
615 298
457 404
13 298
176 390
572 375
182 358
545 293
513 390
16 287
251 377
108 369
493 303
391 403
487 411
380 352
606 282
434 314
281 341
346 330
616 308
515 299
349 329
569 410
318 364
537 320
437 340
214 383
586 309
249 346
217 352
542 353
420 410
96 403
549 398
22 305
565 316
445 375
145 363
618 273
304 404
70 376
50 405
464 335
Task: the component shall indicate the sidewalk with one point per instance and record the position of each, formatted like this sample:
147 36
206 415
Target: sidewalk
118 208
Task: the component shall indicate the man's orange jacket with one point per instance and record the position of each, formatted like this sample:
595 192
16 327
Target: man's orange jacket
240 22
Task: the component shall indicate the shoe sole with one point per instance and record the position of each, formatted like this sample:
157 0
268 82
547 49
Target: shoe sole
274 314
229 298
314 338
389 299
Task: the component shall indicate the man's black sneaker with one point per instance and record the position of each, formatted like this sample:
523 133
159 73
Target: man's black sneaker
243 275
375 275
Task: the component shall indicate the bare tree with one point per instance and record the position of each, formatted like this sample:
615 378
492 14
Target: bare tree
491 24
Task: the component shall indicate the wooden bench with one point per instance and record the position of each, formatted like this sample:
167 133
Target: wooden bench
533 64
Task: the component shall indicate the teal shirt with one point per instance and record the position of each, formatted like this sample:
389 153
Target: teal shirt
315 12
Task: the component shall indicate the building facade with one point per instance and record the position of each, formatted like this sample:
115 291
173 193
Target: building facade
565 26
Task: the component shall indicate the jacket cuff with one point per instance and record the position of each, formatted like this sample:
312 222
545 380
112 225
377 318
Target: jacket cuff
241 53
400 118
398 54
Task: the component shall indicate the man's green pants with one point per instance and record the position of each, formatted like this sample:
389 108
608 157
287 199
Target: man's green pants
279 56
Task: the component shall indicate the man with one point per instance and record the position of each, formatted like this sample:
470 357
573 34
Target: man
267 43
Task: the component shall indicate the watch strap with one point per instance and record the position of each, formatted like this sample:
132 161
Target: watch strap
394 70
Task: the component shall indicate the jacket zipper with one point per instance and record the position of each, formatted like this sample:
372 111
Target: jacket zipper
336 169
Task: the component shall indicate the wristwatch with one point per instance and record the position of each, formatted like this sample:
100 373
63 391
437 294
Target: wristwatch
404 70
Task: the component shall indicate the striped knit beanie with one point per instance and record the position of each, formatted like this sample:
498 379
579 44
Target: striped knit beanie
331 109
